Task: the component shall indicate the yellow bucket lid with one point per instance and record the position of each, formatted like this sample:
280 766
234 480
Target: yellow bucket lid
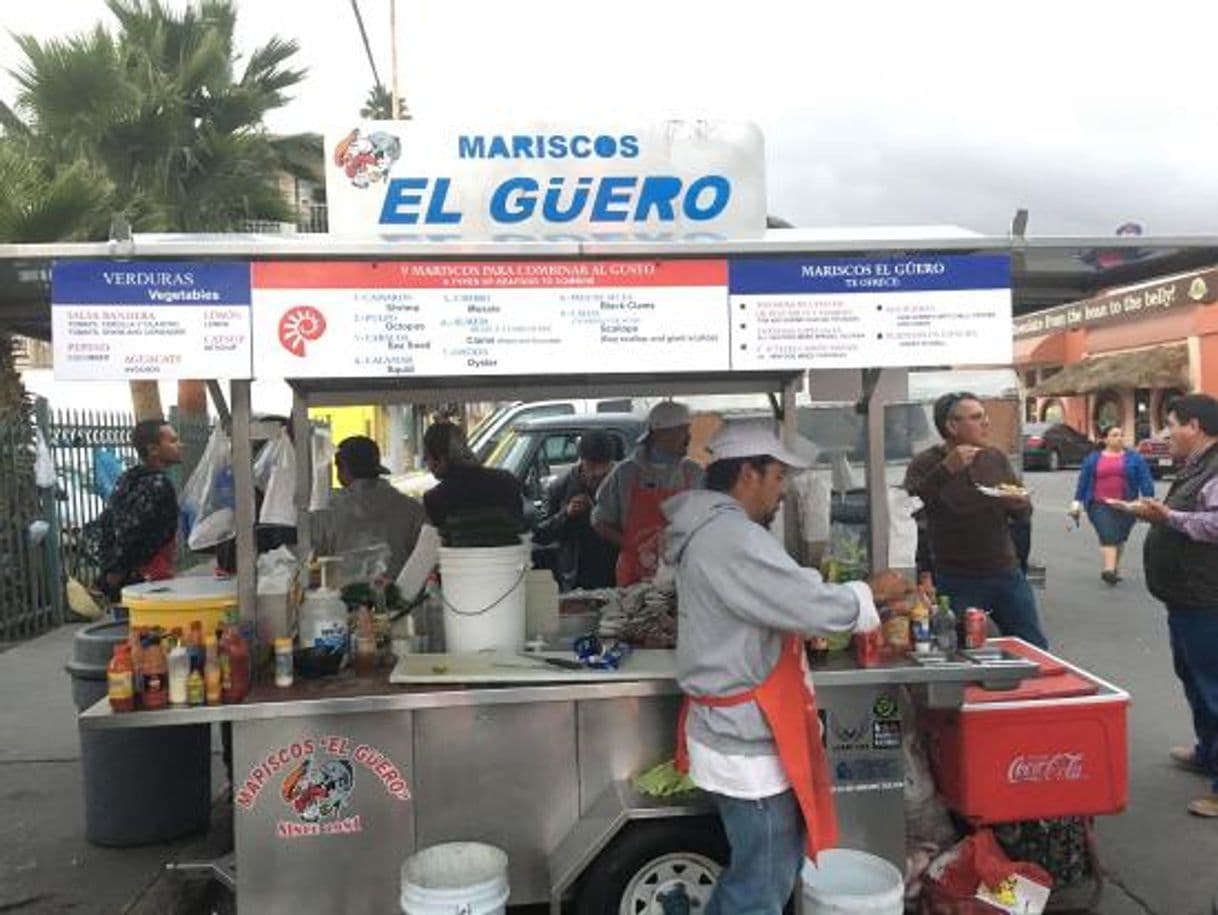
192 592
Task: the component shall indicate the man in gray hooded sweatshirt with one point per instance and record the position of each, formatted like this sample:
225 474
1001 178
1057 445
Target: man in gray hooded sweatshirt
744 609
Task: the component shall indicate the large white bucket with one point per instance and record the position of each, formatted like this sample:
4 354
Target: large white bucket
466 877
484 597
849 882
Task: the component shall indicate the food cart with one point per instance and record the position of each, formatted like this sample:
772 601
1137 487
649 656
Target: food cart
535 760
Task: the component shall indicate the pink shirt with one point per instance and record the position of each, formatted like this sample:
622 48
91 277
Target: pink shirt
1110 477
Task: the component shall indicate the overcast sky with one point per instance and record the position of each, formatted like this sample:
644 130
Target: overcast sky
1090 114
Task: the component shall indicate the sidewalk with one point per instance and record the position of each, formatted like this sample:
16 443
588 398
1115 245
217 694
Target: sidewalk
45 863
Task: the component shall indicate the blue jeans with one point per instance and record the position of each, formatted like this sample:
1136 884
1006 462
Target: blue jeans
1008 597
767 841
1194 654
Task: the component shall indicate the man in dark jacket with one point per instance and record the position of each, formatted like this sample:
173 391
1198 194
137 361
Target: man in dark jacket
1181 558
466 487
975 560
585 559
136 534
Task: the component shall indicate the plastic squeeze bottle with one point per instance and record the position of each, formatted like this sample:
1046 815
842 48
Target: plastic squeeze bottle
211 671
179 673
120 679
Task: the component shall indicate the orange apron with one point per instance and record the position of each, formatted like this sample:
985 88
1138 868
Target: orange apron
643 534
789 707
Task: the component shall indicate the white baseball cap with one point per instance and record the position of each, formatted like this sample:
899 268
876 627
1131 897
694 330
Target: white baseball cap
744 438
667 414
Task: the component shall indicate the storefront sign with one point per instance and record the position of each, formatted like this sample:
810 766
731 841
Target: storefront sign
460 318
314 780
791 313
1123 305
660 181
119 321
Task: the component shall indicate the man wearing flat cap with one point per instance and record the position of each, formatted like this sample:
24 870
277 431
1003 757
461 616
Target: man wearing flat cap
627 512
367 510
749 731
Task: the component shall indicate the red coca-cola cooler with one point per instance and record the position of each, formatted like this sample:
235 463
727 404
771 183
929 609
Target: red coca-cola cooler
1055 746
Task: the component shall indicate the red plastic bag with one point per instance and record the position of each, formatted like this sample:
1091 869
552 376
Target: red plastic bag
951 883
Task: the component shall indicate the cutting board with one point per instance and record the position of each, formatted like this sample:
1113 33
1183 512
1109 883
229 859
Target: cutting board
509 667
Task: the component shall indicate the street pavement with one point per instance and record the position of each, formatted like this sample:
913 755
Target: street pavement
1161 859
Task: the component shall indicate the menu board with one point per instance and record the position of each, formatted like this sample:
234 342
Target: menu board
455 318
925 310
131 320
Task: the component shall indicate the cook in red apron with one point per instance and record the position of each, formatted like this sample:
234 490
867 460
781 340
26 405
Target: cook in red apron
788 704
643 533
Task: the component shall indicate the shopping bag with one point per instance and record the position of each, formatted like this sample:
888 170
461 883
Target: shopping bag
975 877
107 468
44 467
279 493
208 500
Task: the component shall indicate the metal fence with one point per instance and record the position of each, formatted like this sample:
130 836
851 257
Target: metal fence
32 574
28 601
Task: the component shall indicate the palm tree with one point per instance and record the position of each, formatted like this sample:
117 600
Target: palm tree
160 109
379 104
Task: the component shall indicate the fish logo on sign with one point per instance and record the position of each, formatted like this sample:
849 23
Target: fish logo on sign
300 325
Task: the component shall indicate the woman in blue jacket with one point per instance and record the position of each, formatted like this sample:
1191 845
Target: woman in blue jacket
1113 472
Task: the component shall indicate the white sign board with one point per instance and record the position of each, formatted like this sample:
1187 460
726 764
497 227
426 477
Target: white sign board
924 310
133 320
667 180
455 318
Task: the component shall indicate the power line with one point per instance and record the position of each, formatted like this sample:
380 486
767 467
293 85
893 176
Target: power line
376 77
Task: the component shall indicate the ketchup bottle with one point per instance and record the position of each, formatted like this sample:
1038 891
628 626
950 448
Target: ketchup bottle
154 671
234 666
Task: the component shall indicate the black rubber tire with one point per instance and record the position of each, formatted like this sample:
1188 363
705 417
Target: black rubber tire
600 890
1055 461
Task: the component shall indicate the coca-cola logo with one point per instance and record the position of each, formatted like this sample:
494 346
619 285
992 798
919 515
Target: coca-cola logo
1046 767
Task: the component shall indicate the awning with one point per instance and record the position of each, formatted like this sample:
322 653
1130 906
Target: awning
1161 367
1041 351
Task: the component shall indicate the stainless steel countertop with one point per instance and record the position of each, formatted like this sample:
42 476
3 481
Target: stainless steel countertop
350 695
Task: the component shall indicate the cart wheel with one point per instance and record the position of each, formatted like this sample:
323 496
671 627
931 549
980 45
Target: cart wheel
656 869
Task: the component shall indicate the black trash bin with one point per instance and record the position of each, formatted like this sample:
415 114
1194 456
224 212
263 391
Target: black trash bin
142 785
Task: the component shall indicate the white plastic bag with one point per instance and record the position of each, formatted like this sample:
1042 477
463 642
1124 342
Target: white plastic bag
276 571
44 467
279 494
208 499
323 454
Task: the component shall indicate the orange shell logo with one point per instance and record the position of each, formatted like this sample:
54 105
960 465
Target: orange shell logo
300 325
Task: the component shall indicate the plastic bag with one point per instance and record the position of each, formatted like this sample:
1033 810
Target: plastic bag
420 563
207 503
323 454
976 877
107 468
279 493
276 571
44 466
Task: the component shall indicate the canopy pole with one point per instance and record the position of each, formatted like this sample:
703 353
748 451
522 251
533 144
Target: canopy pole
243 484
877 480
790 428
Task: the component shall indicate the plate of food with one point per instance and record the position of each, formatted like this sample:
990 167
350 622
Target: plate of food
1005 491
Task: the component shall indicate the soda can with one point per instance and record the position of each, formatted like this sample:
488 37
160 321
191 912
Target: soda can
974 628
869 648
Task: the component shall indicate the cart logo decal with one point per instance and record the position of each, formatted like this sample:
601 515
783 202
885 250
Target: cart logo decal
300 325
850 737
317 779
885 707
1046 767
366 159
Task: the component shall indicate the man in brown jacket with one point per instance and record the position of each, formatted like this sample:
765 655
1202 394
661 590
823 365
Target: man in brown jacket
975 563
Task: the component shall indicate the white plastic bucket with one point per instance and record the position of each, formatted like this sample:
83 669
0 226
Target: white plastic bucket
484 597
466 877
849 882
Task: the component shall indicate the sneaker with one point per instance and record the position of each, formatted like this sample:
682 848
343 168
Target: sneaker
1204 806
1111 577
1185 758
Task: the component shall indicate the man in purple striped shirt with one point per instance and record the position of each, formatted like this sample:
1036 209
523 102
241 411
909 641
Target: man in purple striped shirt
1181 558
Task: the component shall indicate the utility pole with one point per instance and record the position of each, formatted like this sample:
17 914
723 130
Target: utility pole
393 50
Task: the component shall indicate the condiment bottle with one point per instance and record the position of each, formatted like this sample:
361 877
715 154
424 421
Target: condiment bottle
120 679
194 644
211 671
179 673
919 620
283 663
196 691
234 666
364 643
154 672
943 625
